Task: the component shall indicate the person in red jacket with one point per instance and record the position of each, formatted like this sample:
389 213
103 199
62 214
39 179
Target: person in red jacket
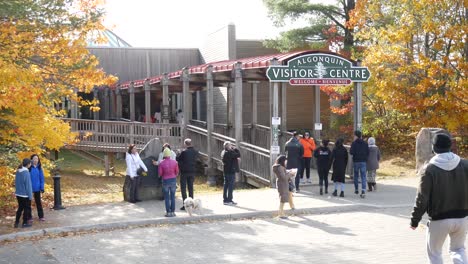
309 146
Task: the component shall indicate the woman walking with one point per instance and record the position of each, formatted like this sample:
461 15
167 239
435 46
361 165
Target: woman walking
372 164
23 193
134 163
168 170
37 182
283 178
339 160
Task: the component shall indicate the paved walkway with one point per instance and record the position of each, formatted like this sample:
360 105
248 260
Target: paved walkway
251 204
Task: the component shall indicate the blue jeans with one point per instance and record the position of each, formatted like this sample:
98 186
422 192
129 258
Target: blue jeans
169 189
228 186
360 168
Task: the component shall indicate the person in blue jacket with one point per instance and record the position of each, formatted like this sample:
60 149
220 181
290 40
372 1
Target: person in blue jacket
23 193
37 183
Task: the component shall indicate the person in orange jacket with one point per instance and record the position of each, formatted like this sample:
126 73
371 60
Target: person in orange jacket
309 146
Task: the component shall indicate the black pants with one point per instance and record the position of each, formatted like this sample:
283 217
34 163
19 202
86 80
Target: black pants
134 183
186 181
24 206
306 167
37 200
323 177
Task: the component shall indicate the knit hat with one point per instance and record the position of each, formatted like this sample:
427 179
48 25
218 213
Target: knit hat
166 152
371 141
441 143
358 133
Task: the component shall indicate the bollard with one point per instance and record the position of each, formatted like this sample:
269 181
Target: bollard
57 193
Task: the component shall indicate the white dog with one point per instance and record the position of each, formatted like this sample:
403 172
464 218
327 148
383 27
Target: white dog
192 204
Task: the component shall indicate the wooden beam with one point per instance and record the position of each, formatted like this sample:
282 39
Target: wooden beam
118 93
96 97
187 97
147 102
210 113
254 109
238 127
131 92
165 101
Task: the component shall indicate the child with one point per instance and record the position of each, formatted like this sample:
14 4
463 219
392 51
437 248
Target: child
372 164
322 154
339 160
23 193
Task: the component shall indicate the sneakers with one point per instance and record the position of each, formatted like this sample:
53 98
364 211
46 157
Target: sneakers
335 193
363 194
342 194
283 217
356 192
232 203
25 225
182 208
225 203
173 214
42 219
302 181
309 181
168 215
16 225
326 190
321 191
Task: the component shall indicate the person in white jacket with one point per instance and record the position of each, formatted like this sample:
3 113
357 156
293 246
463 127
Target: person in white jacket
134 162
160 157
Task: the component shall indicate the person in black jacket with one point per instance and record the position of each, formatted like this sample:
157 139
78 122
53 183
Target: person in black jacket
295 152
187 166
230 156
360 151
339 161
443 195
323 154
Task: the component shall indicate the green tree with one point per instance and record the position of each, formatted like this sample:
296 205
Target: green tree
327 25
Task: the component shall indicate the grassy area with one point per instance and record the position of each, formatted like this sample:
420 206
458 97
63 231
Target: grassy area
397 166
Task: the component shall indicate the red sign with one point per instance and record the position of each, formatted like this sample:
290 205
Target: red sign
327 81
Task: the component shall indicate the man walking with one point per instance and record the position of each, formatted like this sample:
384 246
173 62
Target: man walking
360 151
187 165
443 194
294 152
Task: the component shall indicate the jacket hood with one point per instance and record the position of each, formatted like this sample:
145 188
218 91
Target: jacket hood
23 169
446 161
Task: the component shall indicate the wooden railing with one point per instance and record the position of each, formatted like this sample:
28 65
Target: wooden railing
255 162
115 136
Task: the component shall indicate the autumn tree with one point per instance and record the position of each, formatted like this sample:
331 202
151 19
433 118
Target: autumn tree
43 58
417 53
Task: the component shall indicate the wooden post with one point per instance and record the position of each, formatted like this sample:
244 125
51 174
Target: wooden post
254 111
96 97
357 103
118 93
317 111
165 102
210 113
131 91
106 164
106 103
187 112
274 129
147 101
198 98
74 107
284 110
112 104
228 108
239 125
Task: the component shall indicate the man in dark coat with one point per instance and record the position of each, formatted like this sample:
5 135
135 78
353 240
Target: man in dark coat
339 161
230 156
188 167
360 151
294 152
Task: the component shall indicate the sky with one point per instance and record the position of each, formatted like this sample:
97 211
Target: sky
186 23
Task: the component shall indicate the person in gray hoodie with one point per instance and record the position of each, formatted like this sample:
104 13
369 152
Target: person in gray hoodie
372 164
23 193
443 195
